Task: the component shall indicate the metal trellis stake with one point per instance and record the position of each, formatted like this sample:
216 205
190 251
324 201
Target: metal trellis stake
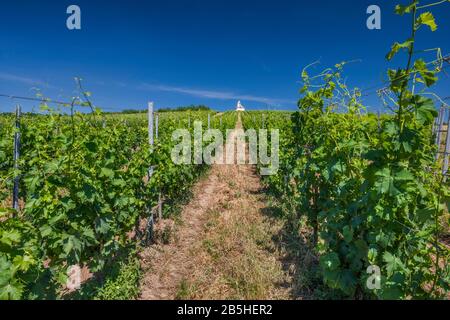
439 131
16 159
157 126
150 123
447 149
160 206
151 219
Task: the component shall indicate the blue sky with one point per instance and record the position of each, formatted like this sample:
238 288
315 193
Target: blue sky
198 52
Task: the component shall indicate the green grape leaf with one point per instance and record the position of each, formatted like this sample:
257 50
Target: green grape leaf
348 234
427 19
330 261
401 9
396 47
427 76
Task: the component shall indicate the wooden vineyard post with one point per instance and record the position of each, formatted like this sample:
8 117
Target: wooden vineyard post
209 121
220 121
15 201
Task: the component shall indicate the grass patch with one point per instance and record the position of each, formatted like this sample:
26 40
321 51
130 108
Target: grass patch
125 286
295 240
185 290
118 281
241 267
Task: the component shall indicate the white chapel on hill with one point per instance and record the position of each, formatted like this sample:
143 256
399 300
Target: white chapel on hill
239 106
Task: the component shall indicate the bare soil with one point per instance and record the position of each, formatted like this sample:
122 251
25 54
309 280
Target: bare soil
224 246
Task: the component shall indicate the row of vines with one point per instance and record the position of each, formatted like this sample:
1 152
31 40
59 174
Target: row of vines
367 186
84 186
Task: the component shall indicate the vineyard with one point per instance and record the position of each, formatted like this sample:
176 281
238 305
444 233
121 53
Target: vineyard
364 191
85 183
360 209
369 187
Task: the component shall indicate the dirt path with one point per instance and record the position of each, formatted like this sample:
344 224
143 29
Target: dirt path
224 246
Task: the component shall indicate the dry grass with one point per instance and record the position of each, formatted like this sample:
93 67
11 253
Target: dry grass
239 258
226 246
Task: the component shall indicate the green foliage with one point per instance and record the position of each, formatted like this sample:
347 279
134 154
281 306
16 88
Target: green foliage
18 256
84 187
125 285
371 190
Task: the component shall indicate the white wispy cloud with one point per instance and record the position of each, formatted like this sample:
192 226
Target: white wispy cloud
24 80
221 95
